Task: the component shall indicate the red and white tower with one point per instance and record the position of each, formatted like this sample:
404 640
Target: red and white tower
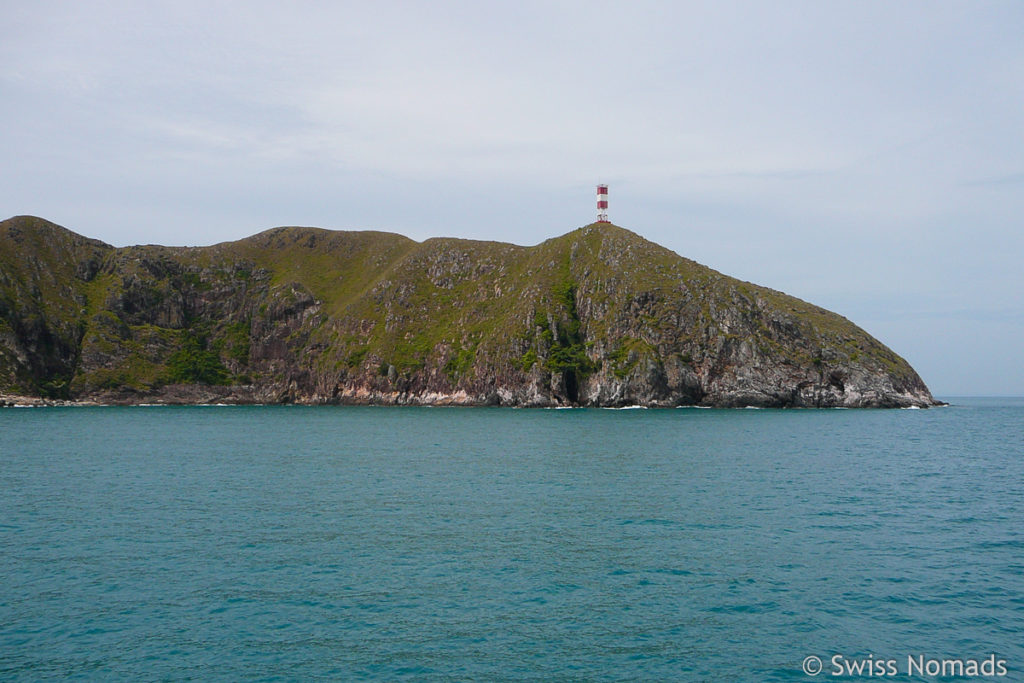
602 203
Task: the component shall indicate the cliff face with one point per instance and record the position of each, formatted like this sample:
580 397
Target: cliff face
596 317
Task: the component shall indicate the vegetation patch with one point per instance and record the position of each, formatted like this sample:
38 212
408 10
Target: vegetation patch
235 341
195 363
355 358
624 358
568 352
528 360
459 363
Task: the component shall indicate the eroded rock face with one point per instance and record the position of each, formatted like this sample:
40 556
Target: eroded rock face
597 317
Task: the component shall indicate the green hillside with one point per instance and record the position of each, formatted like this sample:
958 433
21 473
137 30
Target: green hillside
598 316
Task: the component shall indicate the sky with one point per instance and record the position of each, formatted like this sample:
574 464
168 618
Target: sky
865 156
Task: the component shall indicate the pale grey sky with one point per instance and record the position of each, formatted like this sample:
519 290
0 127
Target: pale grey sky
864 156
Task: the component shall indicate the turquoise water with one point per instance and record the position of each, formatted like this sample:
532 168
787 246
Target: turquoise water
296 543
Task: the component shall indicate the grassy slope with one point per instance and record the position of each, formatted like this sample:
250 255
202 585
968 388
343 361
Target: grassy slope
44 271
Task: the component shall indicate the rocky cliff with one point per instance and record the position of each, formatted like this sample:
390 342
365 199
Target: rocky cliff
597 317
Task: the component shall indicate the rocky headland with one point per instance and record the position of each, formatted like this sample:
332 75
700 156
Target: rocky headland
596 317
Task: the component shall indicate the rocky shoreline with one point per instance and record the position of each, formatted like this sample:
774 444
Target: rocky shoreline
225 396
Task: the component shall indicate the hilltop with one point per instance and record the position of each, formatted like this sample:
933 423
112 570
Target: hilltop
596 317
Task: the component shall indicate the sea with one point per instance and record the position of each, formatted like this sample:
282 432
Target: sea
291 543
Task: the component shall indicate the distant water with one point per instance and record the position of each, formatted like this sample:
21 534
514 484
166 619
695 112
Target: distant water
296 543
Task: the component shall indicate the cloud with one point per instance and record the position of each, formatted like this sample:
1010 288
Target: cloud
1005 179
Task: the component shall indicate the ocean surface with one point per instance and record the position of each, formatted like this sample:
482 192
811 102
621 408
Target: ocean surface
345 543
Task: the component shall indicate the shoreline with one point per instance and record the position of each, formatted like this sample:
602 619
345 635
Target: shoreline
21 401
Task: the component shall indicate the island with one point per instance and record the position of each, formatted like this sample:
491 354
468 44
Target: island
597 317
